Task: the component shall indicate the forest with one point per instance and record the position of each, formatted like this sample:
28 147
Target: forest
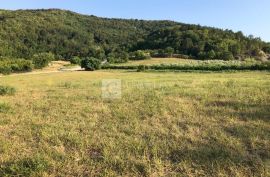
65 34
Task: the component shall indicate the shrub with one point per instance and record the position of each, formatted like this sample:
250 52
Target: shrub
141 55
141 68
42 60
118 57
91 64
7 90
76 60
11 65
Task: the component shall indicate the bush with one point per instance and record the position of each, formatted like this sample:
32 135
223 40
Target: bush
8 65
7 90
76 60
118 57
91 64
42 60
141 55
141 68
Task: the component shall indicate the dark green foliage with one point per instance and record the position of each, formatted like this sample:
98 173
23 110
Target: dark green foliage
76 60
11 65
266 48
7 90
226 55
42 60
202 42
118 57
24 33
91 64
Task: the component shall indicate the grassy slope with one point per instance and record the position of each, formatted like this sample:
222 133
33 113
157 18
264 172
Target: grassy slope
166 123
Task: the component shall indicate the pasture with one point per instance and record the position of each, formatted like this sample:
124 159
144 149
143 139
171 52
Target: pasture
165 124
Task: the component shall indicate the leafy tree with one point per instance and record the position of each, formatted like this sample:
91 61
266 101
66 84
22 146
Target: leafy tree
91 64
211 54
169 51
227 55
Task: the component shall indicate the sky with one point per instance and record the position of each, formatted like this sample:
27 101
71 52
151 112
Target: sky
248 16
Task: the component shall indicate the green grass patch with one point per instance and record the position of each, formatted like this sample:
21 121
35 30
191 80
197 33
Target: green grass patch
4 108
31 166
7 90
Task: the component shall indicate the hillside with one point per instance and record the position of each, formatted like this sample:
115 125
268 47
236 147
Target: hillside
66 34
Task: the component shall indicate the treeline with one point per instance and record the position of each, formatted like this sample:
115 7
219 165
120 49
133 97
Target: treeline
204 43
25 33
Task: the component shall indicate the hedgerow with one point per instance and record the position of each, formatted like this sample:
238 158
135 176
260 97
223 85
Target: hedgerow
205 66
8 66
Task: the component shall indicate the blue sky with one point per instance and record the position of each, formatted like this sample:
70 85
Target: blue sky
249 16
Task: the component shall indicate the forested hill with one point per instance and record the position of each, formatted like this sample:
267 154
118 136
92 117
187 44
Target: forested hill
24 33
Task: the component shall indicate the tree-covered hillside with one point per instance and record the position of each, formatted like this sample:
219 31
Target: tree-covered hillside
24 33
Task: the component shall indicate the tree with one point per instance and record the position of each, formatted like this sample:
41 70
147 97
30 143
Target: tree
91 64
188 43
227 55
169 51
235 49
42 60
211 54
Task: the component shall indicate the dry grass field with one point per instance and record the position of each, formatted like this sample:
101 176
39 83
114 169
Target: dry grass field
165 124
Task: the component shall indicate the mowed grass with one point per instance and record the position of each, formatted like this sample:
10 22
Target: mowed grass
166 124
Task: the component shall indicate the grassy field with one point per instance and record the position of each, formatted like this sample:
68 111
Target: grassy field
174 64
165 124
156 61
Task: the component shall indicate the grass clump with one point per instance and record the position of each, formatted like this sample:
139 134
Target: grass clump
4 107
7 90
33 166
